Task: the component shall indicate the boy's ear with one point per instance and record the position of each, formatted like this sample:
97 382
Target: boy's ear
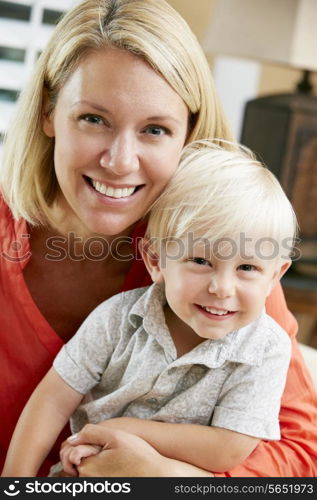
151 260
282 270
279 273
47 117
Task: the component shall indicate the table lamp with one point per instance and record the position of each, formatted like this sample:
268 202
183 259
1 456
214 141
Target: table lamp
281 129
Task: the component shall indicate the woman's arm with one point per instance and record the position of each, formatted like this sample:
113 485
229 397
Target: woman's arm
209 448
39 425
126 455
295 455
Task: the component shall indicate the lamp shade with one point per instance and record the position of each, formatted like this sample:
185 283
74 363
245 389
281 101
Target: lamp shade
276 31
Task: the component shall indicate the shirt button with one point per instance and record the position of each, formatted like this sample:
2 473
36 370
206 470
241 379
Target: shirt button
152 401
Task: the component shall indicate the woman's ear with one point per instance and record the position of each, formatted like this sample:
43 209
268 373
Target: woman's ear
151 260
47 117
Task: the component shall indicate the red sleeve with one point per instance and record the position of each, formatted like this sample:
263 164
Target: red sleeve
295 455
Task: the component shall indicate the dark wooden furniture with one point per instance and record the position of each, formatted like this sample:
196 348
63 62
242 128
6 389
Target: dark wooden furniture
282 131
301 297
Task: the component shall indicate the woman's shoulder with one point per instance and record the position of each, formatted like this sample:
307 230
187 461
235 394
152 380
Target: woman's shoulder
14 235
276 307
7 222
5 211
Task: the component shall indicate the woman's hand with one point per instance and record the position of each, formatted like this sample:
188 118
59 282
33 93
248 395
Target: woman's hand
127 455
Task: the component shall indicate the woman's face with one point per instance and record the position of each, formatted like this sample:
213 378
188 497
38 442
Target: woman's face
119 130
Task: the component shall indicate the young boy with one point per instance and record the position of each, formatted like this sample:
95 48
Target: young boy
192 364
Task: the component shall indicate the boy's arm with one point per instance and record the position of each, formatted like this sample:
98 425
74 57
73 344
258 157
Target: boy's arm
210 448
44 416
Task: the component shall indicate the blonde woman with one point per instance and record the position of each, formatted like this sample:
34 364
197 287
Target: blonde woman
121 87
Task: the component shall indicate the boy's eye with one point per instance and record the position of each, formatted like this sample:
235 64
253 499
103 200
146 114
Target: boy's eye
247 267
156 130
200 261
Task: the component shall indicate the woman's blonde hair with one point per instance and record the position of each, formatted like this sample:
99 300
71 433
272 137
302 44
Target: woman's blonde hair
151 29
217 194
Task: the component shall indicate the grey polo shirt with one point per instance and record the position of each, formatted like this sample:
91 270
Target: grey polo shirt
124 359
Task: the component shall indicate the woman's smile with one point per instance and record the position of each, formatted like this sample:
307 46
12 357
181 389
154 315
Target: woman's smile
117 192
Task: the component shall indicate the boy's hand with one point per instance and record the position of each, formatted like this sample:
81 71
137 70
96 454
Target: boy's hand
71 455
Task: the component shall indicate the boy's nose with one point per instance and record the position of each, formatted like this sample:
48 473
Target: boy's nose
221 286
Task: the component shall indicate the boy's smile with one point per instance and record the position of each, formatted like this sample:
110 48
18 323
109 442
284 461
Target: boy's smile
217 314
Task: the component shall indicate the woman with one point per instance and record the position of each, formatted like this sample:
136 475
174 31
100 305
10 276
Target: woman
121 87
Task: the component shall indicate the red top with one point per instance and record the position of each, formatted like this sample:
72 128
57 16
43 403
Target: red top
29 345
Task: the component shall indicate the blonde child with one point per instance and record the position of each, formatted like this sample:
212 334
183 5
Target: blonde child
192 364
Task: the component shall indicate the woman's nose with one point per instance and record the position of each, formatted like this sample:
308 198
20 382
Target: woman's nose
122 156
221 286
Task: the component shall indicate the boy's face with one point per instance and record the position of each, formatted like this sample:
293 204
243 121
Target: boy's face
213 291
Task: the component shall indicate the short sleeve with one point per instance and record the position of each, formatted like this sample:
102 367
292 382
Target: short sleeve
250 399
82 361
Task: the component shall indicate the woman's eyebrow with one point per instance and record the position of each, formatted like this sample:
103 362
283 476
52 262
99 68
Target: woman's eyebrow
164 118
94 105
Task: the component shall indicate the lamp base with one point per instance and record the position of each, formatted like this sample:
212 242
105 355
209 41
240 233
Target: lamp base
282 131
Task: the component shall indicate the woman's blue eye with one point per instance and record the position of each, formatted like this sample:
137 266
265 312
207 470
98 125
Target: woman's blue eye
93 119
156 130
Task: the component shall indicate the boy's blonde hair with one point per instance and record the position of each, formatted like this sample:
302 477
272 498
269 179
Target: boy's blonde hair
152 30
219 193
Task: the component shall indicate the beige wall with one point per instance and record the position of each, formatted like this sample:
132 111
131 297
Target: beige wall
273 78
196 12
280 79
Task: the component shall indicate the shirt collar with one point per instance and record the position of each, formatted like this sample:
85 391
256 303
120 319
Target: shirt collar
246 345
148 311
